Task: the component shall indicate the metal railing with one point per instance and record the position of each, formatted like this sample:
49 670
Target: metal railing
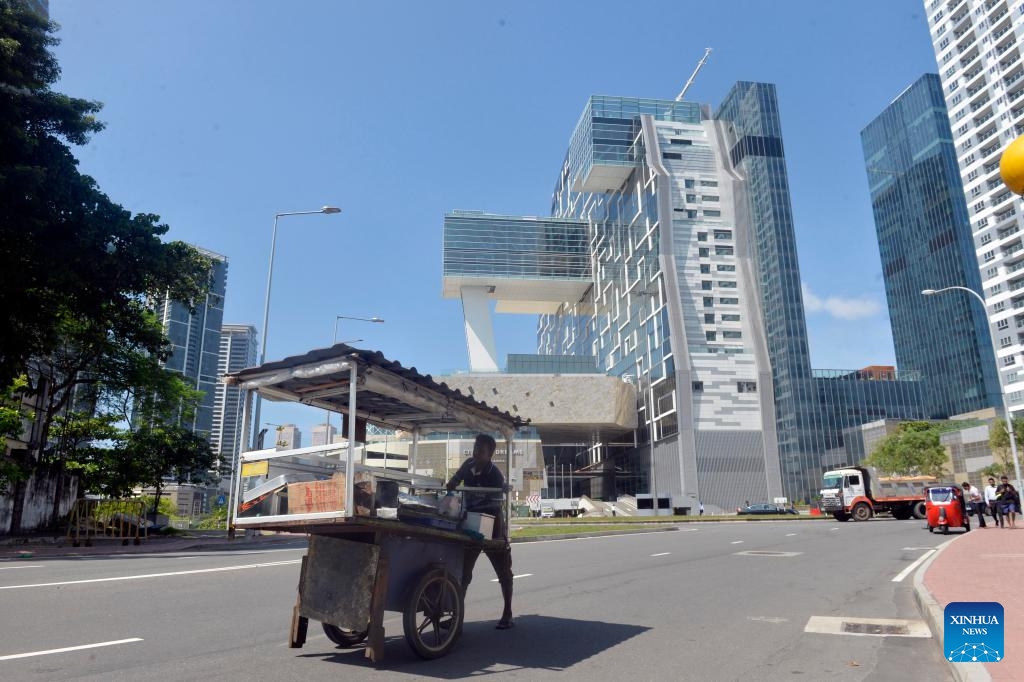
123 520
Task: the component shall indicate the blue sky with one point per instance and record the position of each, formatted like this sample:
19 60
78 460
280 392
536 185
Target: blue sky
221 114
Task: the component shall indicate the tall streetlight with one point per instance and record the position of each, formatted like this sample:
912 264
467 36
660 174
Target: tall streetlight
328 210
1002 393
337 319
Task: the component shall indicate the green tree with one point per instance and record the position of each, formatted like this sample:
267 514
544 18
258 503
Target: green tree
912 450
999 443
76 269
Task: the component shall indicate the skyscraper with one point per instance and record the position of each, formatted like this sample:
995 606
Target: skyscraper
977 47
288 437
924 237
237 351
195 340
323 434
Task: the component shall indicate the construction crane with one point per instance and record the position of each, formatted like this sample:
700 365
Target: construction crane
703 60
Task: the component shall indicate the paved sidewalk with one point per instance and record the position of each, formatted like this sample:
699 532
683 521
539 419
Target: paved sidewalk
978 566
44 547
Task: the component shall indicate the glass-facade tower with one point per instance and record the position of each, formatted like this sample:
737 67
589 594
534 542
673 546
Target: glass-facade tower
924 238
195 341
237 351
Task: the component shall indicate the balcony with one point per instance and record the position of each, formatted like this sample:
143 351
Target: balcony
984 117
1003 234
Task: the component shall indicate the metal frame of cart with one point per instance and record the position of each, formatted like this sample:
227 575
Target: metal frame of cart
358 566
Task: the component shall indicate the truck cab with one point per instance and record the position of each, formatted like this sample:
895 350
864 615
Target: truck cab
840 487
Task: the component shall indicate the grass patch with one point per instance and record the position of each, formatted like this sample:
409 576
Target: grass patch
540 530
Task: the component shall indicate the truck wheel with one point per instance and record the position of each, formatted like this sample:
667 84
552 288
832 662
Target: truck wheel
841 516
901 514
919 511
862 512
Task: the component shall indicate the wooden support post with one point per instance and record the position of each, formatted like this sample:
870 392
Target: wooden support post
375 637
297 634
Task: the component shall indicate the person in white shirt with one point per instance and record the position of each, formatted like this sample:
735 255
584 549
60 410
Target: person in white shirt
990 500
976 502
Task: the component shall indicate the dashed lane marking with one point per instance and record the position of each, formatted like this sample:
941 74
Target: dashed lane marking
736 542
906 571
29 654
521 575
789 535
768 619
153 575
662 554
769 553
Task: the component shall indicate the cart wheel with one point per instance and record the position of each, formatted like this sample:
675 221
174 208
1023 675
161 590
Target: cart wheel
433 616
920 511
343 637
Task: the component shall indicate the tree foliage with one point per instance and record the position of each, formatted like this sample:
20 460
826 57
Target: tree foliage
999 443
912 450
77 271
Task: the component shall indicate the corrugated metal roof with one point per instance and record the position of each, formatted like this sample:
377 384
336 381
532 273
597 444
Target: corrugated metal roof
384 390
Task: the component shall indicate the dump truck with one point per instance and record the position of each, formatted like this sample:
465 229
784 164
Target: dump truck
860 493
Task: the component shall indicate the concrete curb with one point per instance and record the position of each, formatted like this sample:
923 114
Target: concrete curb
933 615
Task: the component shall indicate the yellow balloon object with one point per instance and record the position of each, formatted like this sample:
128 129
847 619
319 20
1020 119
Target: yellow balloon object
1011 166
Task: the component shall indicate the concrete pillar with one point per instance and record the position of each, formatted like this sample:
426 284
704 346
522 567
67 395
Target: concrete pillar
479 331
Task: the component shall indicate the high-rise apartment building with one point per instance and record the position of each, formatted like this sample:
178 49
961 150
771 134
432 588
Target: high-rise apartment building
978 49
288 437
323 434
195 341
924 237
237 351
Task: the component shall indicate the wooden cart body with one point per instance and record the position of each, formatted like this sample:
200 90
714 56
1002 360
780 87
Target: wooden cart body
359 565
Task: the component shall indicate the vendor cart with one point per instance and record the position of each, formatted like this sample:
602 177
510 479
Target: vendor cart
376 542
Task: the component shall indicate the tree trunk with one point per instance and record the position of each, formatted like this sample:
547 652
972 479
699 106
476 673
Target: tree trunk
156 501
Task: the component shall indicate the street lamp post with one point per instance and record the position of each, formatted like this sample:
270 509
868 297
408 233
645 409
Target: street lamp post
328 210
338 318
1006 407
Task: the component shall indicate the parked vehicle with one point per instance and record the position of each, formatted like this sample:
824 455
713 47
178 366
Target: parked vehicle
766 509
860 493
946 508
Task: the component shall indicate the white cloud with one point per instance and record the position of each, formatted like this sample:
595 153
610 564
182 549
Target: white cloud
841 308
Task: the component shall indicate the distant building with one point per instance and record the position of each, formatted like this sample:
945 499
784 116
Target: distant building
324 434
195 341
288 437
237 351
924 237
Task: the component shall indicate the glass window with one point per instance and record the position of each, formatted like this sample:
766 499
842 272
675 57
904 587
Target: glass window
705 268
746 386
705 285
730 317
708 301
727 285
702 236
703 252
712 214
723 250
710 336
698 386
729 301
709 318
732 335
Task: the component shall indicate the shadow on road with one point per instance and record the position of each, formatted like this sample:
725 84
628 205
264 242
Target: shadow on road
536 642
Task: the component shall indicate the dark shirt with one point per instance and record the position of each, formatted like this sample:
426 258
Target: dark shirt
490 477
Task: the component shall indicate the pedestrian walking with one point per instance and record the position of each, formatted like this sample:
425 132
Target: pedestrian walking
976 502
702 509
991 501
1010 502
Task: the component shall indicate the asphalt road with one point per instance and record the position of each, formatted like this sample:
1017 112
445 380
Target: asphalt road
686 605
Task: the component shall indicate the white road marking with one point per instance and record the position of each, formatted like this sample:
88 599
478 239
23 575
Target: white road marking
153 575
834 529
11 657
768 619
736 542
10 568
833 625
906 571
768 553
521 575
921 549
661 554
789 535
